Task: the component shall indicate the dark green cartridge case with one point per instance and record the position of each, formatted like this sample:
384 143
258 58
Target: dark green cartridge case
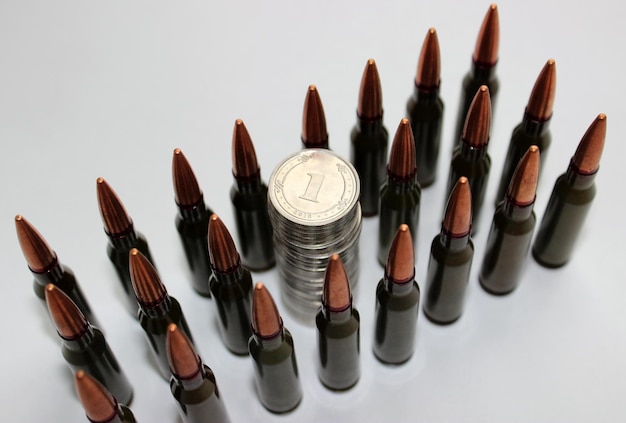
397 303
84 346
46 268
273 356
470 158
400 194
338 331
122 238
534 128
231 286
425 111
512 229
192 222
450 261
571 200
157 309
483 70
192 383
248 197
369 140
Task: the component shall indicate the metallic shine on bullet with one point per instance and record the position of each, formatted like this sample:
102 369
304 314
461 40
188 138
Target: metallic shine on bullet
122 238
534 128
512 229
425 110
46 268
273 355
192 382
451 255
157 309
483 70
100 406
397 303
248 197
470 159
571 200
192 222
84 346
369 140
400 194
231 286
338 333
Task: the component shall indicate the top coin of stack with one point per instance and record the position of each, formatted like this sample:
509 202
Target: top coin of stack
314 208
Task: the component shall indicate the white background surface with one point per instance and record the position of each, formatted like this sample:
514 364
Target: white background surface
110 88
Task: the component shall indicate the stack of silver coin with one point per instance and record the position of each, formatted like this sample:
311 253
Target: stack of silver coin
315 211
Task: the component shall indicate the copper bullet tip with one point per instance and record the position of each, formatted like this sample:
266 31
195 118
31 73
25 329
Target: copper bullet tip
182 357
99 404
314 133
222 251
478 120
114 216
39 256
429 64
266 321
542 96
245 165
402 156
457 221
401 260
589 151
187 192
336 294
371 94
147 285
487 43
523 185
70 322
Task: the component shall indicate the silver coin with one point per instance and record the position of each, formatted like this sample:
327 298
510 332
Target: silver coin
313 187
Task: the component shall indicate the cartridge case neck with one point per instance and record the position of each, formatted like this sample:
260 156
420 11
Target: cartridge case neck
533 127
399 288
229 276
82 341
514 211
578 180
193 382
270 343
125 241
482 72
157 310
369 126
453 242
472 154
193 213
249 185
426 95
337 316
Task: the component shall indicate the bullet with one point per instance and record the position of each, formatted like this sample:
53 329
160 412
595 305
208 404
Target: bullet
534 128
157 309
122 238
46 268
397 303
192 382
231 286
84 346
512 229
338 330
483 69
450 262
369 140
192 222
471 159
400 193
425 110
314 133
100 406
571 200
273 355
248 197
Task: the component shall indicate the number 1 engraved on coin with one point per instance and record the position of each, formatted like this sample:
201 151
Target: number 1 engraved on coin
313 188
